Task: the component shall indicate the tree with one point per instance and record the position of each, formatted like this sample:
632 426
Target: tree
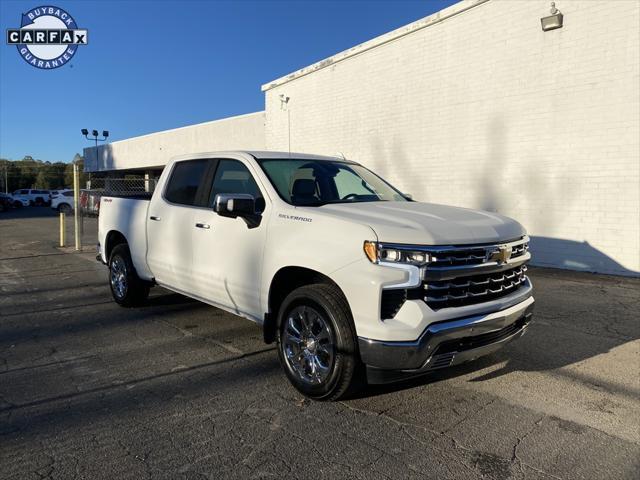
30 173
42 181
68 173
4 174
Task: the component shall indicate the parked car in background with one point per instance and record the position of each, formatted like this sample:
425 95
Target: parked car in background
89 202
54 193
19 202
62 201
6 202
15 202
33 197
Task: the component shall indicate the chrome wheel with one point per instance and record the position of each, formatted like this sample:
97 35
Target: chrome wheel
119 277
308 345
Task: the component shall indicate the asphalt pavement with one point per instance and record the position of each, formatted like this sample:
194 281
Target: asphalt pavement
178 389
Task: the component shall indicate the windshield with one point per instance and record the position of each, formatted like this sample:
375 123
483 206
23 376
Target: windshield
318 182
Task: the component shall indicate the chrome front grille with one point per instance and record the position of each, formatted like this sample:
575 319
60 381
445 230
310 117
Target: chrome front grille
518 250
473 255
460 257
474 289
459 276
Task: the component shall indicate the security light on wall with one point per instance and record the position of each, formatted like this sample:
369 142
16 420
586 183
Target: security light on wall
553 21
284 100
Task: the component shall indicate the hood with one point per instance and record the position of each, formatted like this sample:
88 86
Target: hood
427 223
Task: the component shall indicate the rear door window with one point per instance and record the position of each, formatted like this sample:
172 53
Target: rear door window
186 181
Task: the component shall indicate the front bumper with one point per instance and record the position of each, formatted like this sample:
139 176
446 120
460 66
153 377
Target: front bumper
444 344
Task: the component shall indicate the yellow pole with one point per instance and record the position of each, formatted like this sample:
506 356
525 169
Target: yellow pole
62 232
76 205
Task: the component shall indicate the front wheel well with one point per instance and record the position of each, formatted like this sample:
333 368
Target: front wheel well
285 281
113 238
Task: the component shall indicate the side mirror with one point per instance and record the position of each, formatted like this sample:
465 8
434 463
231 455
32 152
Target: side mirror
234 205
408 196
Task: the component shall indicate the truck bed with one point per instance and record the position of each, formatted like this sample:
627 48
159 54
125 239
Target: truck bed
127 215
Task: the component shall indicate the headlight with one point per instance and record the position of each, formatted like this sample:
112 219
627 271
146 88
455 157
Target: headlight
377 253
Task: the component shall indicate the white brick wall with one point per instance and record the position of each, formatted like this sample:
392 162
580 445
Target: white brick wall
156 149
485 110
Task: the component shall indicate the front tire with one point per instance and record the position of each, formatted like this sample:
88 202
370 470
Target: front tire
127 289
317 344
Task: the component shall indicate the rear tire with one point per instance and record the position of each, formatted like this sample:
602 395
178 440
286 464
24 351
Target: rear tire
316 342
127 289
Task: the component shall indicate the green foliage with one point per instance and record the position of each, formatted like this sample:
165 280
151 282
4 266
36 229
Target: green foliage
31 173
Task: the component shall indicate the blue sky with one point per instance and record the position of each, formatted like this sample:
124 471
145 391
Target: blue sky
155 65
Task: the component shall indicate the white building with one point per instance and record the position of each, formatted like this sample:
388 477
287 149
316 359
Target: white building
153 151
474 106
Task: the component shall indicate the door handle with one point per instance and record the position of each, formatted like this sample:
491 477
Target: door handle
153 217
203 225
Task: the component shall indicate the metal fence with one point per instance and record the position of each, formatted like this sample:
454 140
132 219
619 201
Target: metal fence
89 202
131 185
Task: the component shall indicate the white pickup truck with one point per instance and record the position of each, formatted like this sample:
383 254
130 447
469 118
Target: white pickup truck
351 278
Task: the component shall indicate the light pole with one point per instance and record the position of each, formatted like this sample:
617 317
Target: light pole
94 136
76 187
6 176
77 219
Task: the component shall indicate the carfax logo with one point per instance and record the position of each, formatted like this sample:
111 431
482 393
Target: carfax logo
48 37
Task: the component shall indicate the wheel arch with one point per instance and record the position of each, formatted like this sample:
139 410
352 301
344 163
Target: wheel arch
113 238
286 280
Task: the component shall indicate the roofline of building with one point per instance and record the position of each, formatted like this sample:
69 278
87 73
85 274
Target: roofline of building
261 155
161 132
425 22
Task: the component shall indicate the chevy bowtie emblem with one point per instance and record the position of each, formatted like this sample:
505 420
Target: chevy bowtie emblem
501 254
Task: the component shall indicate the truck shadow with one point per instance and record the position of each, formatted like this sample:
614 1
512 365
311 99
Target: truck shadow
60 324
578 316
28 212
580 256
572 324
